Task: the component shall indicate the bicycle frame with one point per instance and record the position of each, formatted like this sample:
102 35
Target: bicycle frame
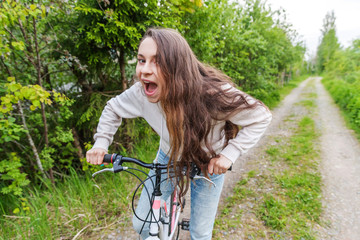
164 225
174 212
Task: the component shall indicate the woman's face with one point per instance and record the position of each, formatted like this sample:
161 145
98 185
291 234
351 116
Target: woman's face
147 70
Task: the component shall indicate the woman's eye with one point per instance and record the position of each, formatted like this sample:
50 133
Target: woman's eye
141 60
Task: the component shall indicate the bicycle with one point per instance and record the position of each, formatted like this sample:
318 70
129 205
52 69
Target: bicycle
164 215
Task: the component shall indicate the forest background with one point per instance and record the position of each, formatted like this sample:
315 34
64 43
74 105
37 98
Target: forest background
61 61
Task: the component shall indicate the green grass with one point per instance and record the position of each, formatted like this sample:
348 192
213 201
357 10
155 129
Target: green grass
228 219
62 211
78 204
307 103
296 203
347 96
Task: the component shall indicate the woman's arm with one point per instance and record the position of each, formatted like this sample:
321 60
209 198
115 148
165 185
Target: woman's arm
129 104
253 123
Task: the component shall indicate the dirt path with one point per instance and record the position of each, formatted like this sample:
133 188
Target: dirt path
340 152
340 167
339 163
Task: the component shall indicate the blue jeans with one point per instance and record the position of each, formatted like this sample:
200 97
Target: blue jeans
204 202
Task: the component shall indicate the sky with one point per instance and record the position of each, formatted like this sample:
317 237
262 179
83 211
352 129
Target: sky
307 16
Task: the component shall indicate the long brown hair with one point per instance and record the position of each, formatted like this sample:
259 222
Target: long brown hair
193 99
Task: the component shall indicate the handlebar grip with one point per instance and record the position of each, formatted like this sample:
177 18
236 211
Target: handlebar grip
109 158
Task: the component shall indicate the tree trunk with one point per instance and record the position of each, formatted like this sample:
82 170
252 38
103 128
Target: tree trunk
77 144
6 67
38 162
39 80
289 75
43 113
122 68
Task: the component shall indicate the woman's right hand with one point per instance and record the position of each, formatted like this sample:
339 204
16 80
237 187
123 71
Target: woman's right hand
95 156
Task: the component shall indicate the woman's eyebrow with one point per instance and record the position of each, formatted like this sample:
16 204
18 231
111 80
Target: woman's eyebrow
141 55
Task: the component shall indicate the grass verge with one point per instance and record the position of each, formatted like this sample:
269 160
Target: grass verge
296 203
80 207
347 96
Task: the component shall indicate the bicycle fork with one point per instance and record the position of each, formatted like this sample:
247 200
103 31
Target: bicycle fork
159 226
154 225
155 219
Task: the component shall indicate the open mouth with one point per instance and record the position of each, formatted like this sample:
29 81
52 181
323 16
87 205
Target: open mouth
150 87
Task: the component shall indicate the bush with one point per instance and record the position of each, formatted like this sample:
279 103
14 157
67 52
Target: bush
269 94
347 96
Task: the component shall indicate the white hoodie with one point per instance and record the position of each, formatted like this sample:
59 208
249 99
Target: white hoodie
133 103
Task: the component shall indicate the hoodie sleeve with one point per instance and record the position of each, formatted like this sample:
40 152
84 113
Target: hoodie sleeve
128 104
253 123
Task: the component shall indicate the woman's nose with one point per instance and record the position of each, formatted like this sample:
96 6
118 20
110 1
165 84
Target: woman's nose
146 69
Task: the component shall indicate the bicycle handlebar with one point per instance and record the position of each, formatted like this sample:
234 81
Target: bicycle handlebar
119 160
111 158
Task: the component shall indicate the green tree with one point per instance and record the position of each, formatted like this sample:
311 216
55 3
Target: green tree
346 63
342 79
26 55
250 43
329 42
12 130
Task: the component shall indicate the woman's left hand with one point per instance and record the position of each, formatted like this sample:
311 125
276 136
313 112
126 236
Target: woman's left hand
219 165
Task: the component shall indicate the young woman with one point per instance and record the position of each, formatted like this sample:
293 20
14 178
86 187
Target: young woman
200 115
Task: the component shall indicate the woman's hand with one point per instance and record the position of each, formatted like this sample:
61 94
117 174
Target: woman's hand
219 165
95 156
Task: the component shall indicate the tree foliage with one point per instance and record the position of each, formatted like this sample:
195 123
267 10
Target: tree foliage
341 69
19 100
342 79
101 38
250 43
30 106
62 60
329 42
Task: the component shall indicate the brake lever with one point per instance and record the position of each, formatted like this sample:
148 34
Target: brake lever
196 177
115 169
103 170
